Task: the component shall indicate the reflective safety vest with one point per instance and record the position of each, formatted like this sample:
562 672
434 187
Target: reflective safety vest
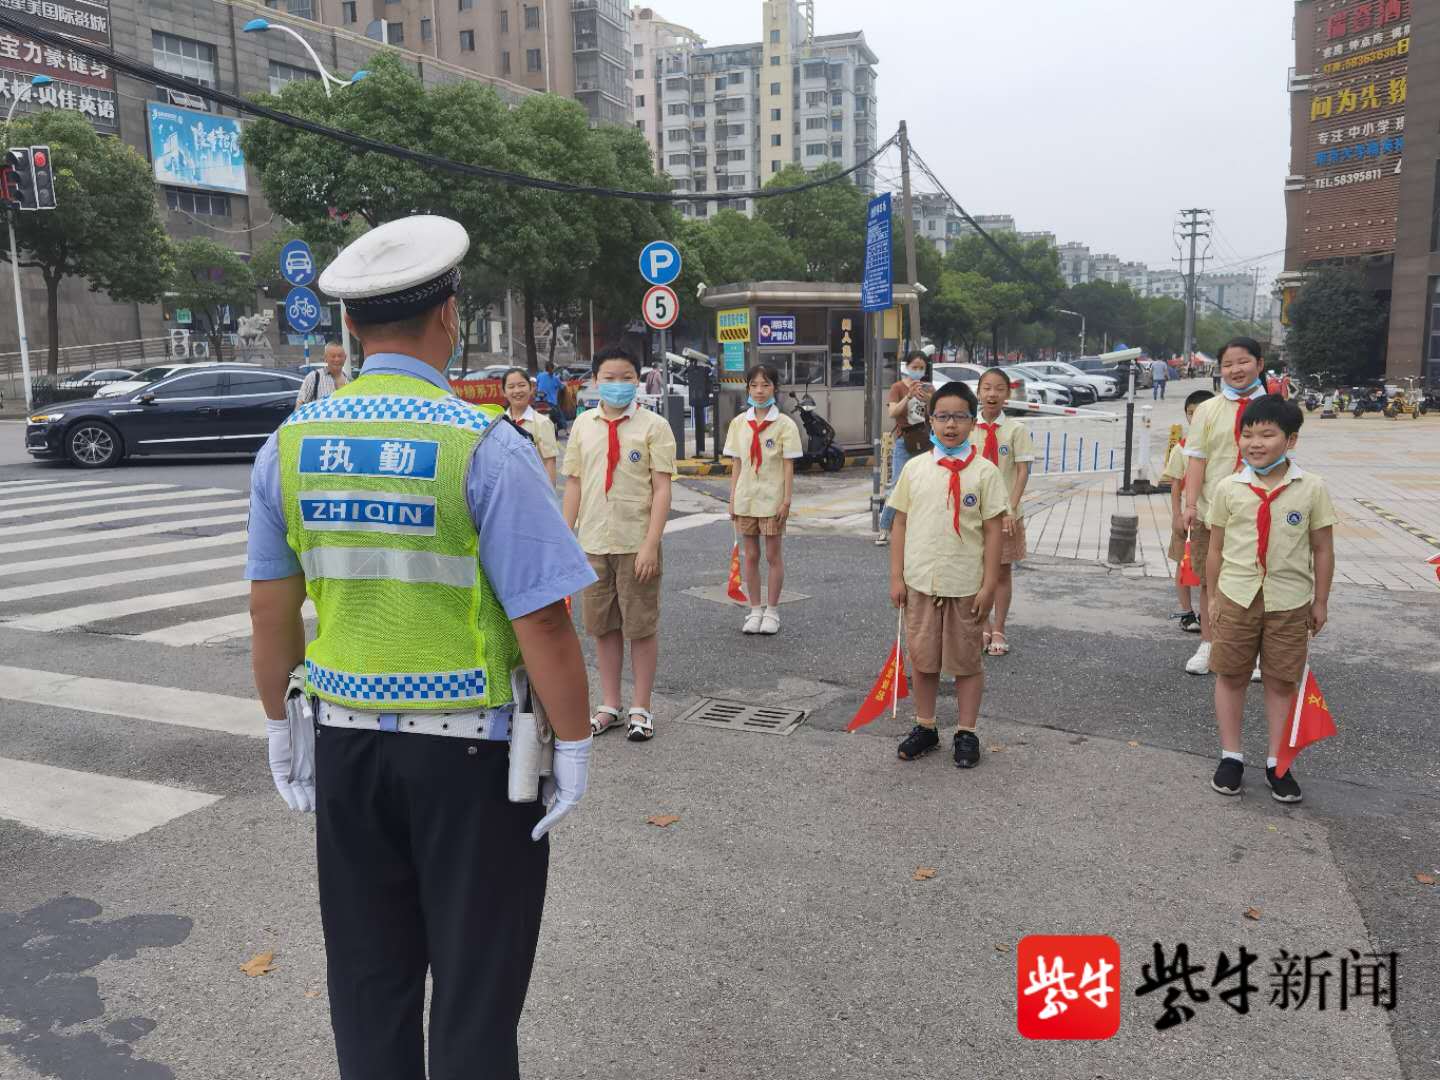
373 483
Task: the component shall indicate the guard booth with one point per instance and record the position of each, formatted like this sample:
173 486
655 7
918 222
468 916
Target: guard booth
819 340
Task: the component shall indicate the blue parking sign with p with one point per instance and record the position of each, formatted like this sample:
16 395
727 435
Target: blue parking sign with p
660 262
297 264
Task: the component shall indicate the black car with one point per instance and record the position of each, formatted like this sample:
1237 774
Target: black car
220 409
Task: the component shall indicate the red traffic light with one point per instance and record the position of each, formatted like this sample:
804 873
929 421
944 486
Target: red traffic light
41 159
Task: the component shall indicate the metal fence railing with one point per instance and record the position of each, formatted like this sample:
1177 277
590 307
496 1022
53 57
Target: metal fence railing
141 352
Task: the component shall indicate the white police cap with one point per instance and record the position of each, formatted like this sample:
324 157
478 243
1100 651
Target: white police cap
398 269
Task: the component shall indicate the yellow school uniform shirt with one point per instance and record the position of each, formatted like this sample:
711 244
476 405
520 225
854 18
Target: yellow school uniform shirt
1175 465
1015 446
615 523
1289 578
542 430
937 561
758 495
1212 439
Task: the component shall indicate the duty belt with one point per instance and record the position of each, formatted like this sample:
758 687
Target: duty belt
492 725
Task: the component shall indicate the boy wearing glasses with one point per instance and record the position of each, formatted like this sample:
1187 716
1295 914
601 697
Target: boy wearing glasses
945 550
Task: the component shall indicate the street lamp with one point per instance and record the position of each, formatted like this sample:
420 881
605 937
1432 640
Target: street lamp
1081 317
39 80
256 26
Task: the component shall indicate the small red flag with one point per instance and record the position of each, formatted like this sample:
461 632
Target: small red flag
1434 561
1310 721
1188 576
734 589
889 688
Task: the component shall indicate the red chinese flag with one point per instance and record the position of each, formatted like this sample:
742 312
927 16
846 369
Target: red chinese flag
1188 576
1310 721
1434 561
889 688
734 589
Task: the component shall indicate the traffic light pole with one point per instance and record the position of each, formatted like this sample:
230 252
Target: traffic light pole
19 312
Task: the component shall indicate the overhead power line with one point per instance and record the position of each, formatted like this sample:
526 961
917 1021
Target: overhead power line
148 73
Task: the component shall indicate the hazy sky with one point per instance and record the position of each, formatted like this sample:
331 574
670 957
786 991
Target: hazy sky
1095 119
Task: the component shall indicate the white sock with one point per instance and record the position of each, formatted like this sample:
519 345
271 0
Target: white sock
757 611
1233 755
1271 762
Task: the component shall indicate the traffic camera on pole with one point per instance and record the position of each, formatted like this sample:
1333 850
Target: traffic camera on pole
44 183
20 178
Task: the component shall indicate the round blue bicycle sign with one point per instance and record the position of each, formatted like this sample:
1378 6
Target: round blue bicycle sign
297 264
302 310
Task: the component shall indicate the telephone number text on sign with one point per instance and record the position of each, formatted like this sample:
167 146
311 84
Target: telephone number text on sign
1344 179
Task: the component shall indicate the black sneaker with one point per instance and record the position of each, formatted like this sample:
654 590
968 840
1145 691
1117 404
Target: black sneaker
918 743
1283 788
967 750
1228 776
1190 622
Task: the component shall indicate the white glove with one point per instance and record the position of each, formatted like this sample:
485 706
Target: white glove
298 794
564 790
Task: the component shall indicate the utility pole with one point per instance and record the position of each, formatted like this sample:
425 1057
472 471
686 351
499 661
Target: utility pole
905 209
1194 227
1255 298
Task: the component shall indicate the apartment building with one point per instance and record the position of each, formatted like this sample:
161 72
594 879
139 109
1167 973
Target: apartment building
650 36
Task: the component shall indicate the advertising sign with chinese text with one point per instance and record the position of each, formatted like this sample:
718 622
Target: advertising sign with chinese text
1356 135
877 284
196 150
81 84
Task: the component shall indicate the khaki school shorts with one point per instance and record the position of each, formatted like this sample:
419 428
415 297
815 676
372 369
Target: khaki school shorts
1012 547
943 639
617 601
1280 639
1199 547
757 526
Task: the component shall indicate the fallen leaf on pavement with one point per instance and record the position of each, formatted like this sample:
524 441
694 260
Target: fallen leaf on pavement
1000 946
312 993
664 821
1425 879
259 964
1273 828
924 873
995 749
1253 914
1132 742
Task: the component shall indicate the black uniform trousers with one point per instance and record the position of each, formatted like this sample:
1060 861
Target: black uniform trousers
424 862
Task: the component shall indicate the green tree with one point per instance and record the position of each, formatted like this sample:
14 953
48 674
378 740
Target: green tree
1021 287
825 226
211 280
732 247
106 226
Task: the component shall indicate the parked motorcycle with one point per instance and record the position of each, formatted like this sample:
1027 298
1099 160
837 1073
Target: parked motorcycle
820 448
1363 401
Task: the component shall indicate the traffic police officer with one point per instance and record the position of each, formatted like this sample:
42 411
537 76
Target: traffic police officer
435 554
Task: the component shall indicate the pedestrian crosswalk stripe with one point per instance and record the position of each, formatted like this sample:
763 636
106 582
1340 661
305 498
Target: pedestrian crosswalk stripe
109 500
75 498
89 805
138 701
142 551
8 486
70 618
70 524
118 577
106 536
209 631
693 521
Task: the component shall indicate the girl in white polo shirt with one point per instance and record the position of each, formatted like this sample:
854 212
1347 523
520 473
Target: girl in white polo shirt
520 403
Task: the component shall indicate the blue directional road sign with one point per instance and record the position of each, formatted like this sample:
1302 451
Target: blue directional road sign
877 286
302 310
660 262
297 264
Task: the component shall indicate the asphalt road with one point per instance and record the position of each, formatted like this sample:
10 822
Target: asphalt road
775 930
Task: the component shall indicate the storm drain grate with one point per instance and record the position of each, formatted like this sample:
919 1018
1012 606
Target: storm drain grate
737 716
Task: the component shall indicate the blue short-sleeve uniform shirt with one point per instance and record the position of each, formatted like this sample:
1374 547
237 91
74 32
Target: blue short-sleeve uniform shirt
528 552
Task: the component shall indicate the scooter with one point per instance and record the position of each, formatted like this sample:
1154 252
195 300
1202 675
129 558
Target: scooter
820 448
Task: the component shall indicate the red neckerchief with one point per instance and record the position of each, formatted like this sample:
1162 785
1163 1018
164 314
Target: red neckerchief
755 429
612 450
956 467
1262 518
991 453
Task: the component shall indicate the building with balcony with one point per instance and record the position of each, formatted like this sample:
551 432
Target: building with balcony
650 37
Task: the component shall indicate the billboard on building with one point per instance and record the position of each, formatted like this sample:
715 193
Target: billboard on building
79 84
196 149
1356 131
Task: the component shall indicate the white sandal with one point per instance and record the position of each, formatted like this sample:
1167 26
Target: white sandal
643 729
599 727
770 622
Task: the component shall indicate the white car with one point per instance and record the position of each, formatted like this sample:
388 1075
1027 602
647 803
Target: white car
1023 387
1104 385
145 378
96 378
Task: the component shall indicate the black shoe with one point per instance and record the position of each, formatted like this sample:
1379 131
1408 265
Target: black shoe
918 743
1283 788
967 750
1228 776
1190 622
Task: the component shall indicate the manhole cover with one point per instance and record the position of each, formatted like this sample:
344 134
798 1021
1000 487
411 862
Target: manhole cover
737 716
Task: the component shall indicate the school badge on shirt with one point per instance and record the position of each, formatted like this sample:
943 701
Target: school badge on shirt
1294 517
